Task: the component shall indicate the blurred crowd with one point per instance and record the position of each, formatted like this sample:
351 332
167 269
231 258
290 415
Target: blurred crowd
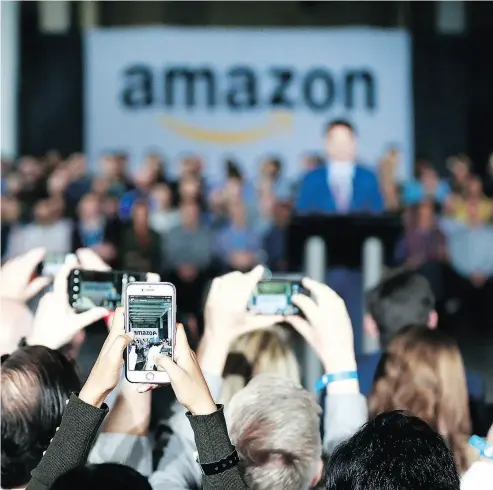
190 229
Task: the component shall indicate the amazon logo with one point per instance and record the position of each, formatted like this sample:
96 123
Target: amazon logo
241 89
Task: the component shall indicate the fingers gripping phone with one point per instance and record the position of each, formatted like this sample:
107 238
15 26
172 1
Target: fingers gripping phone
89 289
150 313
273 297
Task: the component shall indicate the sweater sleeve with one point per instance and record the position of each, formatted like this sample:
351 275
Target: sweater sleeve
71 443
213 444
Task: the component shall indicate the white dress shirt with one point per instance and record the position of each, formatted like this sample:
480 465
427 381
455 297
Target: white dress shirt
340 180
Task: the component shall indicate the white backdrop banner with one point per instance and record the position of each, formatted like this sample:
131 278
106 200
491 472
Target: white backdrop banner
245 93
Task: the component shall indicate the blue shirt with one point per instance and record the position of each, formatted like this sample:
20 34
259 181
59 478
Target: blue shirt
231 239
127 203
414 192
471 249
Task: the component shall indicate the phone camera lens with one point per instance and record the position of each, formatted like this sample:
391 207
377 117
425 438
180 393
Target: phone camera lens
75 288
76 272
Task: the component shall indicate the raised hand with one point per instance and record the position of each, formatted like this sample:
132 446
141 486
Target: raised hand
106 372
16 276
56 322
186 377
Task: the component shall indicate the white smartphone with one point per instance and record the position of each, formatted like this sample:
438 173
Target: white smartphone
150 312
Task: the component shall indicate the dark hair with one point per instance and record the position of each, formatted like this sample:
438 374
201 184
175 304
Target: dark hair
403 299
339 122
102 477
36 383
393 451
233 170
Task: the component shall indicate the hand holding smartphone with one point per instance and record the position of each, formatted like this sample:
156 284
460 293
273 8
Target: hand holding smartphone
90 289
150 313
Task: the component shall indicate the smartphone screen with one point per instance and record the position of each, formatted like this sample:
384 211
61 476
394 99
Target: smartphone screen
151 320
273 297
90 289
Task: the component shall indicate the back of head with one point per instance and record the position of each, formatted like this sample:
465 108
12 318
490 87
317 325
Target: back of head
423 373
403 299
36 383
394 451
253 353
102 477
274 424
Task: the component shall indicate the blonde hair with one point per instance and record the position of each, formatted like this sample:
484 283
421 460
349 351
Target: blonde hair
423 373
253 353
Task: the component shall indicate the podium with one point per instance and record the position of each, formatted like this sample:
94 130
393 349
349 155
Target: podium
315 243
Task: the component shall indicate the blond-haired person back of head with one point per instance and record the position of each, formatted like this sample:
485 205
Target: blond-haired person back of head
423 373
257 352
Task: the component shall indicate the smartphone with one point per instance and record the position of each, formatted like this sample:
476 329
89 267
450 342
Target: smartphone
89 289
150 313
273 297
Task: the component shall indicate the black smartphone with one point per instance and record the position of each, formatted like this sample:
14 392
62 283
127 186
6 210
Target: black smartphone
273 297
90 289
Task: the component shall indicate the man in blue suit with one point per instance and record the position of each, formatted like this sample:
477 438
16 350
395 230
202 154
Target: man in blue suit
342 186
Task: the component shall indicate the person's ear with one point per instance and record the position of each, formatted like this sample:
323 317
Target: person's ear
318 475
433 319
370 326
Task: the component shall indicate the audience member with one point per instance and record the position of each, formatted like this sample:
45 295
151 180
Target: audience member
473 194
80 180
93 230
388 180
85 413
423 240
471 256
143 185
238 245
140 247
162 217
36 383
114 172
401 300
460 169
274 242
394 451
274 425
188 253
272 180
48 230
422 372
254 353
227 317
427 184
30 187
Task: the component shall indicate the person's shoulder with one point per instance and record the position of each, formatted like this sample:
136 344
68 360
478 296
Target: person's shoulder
314 174
365 171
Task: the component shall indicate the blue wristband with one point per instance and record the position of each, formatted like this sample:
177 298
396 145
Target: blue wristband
326 379
482 446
